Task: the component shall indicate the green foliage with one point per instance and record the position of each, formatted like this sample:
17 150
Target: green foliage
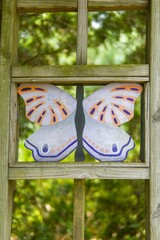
114 209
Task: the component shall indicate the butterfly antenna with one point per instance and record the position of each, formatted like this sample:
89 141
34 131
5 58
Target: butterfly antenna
79 122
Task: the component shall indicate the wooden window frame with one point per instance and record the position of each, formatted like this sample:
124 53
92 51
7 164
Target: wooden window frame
11 75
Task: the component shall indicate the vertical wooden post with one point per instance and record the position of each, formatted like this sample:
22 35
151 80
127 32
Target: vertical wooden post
155 121
7 56
79 184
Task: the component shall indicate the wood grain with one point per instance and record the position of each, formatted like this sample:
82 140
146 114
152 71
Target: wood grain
78 71
32 6
78 170
79 185
155 120
7 56
80 80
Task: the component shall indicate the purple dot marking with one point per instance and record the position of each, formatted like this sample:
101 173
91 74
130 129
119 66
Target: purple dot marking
39 97
92 111
112 112
64 111
120 88
58 103
30 100
134 89
116 105
40 89
115 120
130 99
99 103
26 89
125 111
38 105
39 119
104 109
54 119
30 112
119 97
101 117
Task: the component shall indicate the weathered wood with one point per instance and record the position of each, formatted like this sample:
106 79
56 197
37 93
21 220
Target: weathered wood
13 152
141 70
145 131
32 6
81 58
8 28
78 170
82 80
79 185
147 209
79 209
155 120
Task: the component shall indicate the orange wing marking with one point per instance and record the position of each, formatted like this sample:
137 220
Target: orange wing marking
128 113
32 110
101 117
115 119
30 100
95 108
41 117
125 98
28 89
54 118
133 88
62 109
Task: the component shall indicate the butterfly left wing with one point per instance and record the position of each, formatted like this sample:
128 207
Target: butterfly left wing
54 109
53 143
105 110
46 104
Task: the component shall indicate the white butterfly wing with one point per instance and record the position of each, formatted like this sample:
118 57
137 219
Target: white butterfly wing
113 103
106 142
53 143
105 110
46 104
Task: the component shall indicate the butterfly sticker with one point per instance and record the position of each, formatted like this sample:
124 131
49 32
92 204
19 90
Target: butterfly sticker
105 110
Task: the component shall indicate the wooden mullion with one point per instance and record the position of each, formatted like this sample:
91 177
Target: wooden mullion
79 184
7 57
155 121
147 129
37 6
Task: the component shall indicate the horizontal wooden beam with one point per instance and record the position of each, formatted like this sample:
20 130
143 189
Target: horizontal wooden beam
82 80
39 170
86 74
38 6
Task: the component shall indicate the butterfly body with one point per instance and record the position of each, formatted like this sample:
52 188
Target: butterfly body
105 110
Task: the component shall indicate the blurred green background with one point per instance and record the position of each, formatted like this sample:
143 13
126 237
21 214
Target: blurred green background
43 209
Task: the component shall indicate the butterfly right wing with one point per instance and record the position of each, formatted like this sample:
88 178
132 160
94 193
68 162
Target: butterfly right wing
106 142
105 110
